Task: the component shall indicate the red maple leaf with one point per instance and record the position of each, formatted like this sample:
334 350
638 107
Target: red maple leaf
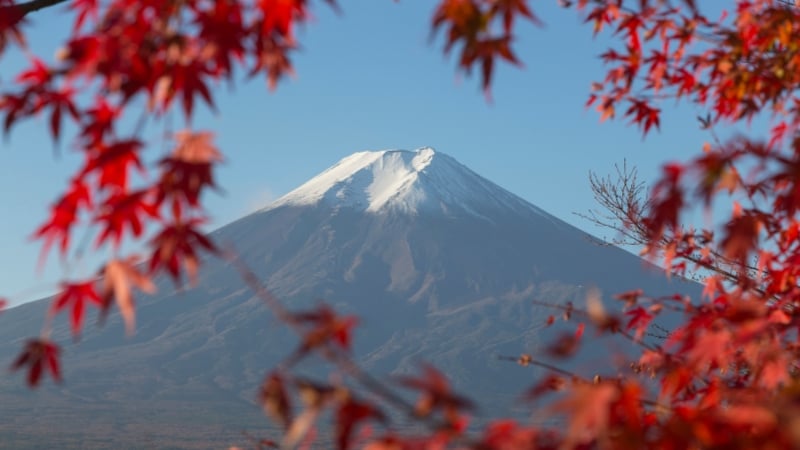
60 101
188 80
38 75
279 15
272 58
325 326
76 294
508 10
176 245
85 9
113 161
348 416
275 400
63 217
508 435
188 170
640 319
436 394
588 407
39 356
121 211
99 122
222 29
11 18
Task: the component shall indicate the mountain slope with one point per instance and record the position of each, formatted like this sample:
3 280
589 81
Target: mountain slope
440 264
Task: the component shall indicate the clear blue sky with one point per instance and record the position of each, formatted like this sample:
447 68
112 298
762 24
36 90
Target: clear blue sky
369 79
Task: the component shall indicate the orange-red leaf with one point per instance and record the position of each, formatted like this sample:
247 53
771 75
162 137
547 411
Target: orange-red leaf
119 279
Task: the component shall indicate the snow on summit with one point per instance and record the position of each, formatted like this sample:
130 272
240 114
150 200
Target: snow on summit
401 180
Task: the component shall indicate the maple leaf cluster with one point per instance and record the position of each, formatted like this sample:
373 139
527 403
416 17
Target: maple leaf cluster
726 378
484 31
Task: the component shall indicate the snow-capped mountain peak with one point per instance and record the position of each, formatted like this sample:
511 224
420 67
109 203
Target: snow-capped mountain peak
401 180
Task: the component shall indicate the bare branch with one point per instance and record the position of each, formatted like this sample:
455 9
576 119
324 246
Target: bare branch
624 200
626 204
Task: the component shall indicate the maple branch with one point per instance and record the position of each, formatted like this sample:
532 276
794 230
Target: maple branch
31 6
543 365
596 379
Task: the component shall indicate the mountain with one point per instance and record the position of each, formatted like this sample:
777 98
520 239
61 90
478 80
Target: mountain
440 264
